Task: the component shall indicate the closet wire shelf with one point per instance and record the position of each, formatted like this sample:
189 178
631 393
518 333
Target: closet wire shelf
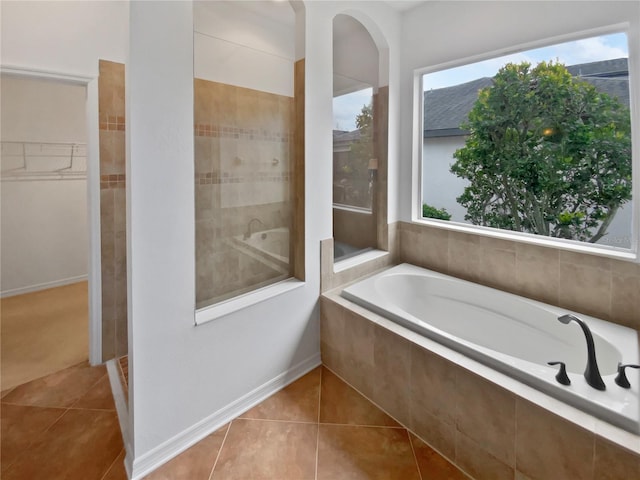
22 161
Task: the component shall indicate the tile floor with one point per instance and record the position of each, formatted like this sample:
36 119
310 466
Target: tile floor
317 428
64 426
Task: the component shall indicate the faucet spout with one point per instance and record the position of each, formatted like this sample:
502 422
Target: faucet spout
591 373
247 233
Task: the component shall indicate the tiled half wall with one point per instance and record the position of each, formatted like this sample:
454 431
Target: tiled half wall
113 209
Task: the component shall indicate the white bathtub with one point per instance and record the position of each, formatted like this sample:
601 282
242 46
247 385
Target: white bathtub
271 245
511 334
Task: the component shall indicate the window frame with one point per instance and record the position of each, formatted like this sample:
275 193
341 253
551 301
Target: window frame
631 254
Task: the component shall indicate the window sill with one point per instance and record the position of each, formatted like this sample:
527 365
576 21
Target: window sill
349 208
208 314
568 245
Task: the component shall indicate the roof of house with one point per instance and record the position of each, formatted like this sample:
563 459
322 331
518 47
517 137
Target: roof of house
343 139
448 107
618 67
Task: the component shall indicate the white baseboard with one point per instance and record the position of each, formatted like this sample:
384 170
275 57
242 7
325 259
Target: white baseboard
163 453
122 407
43 286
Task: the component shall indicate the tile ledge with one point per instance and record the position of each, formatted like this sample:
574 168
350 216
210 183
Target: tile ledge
342 265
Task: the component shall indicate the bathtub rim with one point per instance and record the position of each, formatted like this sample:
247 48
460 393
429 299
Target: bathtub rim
586 421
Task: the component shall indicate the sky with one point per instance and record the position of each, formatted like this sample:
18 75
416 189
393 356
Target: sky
346 107
604 47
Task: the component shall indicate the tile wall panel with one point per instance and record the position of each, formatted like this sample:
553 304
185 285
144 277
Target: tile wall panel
590 284
243 174
112 124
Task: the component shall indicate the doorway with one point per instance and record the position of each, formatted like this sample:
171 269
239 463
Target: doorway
45 236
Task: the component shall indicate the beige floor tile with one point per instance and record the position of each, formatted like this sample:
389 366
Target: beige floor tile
99 397
194 463
341 404
296 402
117 470
22 426
432 465
365 453
268 450
82 444
61 389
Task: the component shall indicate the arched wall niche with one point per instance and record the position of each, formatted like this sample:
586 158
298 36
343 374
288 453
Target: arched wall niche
360 134
378 38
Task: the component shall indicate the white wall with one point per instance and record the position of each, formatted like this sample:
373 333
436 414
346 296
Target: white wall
197 373
440 187
239 47
66 37
440 32
35 110
44 222
69 38
192 372
355 57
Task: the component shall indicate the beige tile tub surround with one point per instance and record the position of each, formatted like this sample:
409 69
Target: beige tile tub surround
330 279
111 101
489 425
603 287
297 235
243 171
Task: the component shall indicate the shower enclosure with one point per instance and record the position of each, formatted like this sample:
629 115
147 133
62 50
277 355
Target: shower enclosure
244 110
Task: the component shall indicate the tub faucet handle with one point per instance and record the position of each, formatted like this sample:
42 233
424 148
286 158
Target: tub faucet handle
622 379
561 376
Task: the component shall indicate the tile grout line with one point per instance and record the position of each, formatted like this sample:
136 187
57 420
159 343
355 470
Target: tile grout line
31 443
62 414
59 407
515 437
93 385
318 424
333 424
415 457
93 409
220 450
112 464
301 422
34 406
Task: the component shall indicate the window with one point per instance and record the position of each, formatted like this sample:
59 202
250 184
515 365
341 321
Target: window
537 142
353 157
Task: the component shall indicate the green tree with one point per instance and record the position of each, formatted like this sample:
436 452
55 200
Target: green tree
362 149
547 153
429 211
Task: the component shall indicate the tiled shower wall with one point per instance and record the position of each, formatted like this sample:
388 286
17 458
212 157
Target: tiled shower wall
113 209
243 143
603 287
